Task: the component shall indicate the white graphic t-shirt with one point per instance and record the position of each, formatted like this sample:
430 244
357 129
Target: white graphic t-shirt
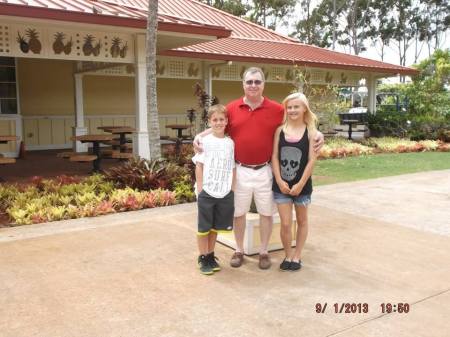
218 163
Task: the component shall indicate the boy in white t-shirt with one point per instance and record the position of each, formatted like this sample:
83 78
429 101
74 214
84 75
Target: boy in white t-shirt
215 176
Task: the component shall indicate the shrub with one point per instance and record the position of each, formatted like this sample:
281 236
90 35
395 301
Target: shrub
145 175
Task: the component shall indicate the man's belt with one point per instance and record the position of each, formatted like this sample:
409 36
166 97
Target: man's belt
253 167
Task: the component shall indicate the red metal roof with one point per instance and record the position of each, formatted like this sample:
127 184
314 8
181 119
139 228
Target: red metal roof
289 53
108 12
247 42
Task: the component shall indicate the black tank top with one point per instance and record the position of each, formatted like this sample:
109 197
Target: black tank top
293 158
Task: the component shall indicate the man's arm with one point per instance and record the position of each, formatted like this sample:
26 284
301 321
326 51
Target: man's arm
318 141
197 142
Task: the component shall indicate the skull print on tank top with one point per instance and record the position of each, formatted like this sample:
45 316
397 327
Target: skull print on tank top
293 158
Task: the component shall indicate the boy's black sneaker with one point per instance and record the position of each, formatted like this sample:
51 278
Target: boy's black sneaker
295 266
285 265
205 267
212 261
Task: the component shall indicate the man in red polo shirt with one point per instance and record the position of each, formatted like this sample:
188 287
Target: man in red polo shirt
252 121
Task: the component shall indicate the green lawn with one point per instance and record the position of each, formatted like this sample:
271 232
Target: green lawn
332 171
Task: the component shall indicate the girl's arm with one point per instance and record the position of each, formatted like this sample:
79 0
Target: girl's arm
199 176
297 188
284 187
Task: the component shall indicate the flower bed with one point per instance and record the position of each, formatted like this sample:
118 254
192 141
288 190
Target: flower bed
399 145
63 198
340 147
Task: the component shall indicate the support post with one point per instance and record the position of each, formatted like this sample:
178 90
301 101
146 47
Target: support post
79 128
141 146
371 94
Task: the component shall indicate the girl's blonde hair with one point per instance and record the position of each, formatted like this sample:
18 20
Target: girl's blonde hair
309 117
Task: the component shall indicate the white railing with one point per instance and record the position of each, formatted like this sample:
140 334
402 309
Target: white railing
54 132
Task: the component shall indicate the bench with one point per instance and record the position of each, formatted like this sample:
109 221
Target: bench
121 155
83 158
329 133
4 160
69 154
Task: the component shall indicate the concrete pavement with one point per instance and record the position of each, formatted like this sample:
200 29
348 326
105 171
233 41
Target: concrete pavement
134 274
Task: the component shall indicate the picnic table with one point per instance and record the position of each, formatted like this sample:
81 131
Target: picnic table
179 139
350 123
96 156
122 131
3 160
5 139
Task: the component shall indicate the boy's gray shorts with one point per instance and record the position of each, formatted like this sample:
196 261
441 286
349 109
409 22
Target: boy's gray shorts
215 214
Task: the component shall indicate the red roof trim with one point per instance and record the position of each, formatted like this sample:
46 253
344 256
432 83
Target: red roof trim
63 15
238 58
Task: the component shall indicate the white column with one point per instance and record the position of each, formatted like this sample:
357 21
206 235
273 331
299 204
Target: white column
79 128
208 86
141 146
371 83
207 78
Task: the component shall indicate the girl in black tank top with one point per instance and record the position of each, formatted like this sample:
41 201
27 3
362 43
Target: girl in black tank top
293 160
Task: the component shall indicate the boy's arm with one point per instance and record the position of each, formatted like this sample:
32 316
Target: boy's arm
297 188
233 183
199 176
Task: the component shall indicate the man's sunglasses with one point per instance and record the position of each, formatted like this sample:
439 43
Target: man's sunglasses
255 82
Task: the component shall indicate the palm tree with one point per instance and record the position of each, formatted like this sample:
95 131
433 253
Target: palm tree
152 108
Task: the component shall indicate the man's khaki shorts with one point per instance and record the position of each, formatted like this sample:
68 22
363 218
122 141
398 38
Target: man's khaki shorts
257 183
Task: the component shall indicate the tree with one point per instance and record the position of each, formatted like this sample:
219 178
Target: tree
349 22
235 7
269 13
403 32
357 19
309 29
152 107
382 29
435 21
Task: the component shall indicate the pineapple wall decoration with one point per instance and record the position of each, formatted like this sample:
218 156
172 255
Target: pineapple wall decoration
328 77
266 73
289 75
343 79
192 70
215 72
32 42
59 46
241 73
96 49
88 47
118 48
160 68
306 76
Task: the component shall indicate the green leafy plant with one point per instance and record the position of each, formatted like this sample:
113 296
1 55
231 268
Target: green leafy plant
57 199
146 175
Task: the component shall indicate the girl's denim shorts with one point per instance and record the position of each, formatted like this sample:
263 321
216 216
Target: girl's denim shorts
299 200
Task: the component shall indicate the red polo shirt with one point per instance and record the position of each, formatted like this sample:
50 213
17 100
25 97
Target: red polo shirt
252 130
